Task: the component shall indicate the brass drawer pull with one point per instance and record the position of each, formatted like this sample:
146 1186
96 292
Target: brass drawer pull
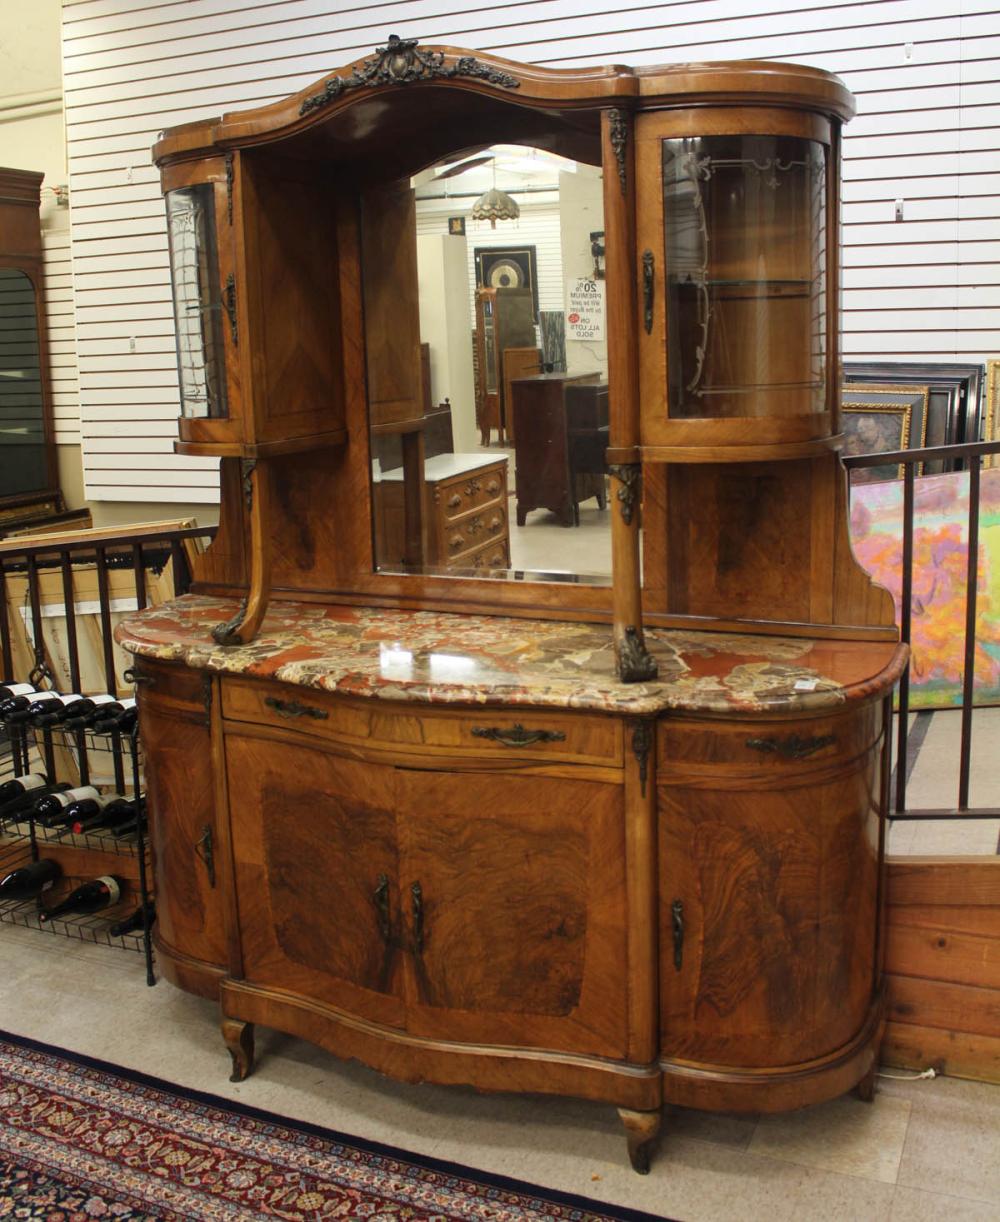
518 736
135 679
454 501
793 747
677 924
292 708
493 487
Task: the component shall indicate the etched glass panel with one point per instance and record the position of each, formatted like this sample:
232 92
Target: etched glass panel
745 246
198 308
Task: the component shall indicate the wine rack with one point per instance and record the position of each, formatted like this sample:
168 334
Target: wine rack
99 757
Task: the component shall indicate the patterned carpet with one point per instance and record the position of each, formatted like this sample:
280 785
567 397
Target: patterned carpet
83 1140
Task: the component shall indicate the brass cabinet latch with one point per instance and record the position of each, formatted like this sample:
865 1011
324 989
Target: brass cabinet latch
793 747
204 847
292 708
677 924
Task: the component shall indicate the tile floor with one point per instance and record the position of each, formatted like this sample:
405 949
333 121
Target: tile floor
925 1151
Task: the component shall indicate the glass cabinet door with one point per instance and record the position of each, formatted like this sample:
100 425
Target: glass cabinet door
199 301
735 234
745 266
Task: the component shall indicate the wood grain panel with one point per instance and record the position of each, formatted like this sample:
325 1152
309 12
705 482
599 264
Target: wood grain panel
313 837
189 907
778 890
523 893
955 1053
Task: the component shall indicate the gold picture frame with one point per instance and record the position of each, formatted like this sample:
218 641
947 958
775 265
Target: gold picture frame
876 417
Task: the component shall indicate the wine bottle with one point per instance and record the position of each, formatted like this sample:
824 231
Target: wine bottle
134 920
106 813
91 708
52 711
50 811
21 808
89 897
29 880
122 722
125 830
10 689
16 709
18 786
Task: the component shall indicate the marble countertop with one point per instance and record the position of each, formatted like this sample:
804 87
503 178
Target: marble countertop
444 466
445 658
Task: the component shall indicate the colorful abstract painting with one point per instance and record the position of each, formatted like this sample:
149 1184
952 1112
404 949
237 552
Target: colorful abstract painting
940 538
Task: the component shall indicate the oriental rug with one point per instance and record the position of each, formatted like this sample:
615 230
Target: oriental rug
82 1140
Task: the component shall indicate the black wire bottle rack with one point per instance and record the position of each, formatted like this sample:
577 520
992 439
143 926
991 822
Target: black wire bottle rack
111 754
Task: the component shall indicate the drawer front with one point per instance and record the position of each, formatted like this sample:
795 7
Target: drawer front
475 530
764 746
494 555
491 734
460 495
175 687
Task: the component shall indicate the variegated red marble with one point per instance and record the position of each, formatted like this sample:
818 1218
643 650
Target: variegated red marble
443 658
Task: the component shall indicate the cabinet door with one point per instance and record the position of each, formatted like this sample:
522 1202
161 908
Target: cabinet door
778 888
189 910
516 892
314 845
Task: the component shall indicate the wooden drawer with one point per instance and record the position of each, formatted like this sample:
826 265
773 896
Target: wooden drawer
172 686
493 555
471 491
691 747
487 734
473 531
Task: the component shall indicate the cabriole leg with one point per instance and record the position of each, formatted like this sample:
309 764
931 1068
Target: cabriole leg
239 1040
641 1130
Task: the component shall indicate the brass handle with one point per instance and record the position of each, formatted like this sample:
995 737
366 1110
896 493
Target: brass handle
647 290
493 486
677 923
131 676
454 501
518 736
204 848
381 901
455 541
495 524
417 897
292 708
792 747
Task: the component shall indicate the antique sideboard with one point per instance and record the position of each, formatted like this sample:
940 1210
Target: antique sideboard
539 831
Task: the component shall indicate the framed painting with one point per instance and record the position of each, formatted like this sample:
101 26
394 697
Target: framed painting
954 400
878 419
991 426
508 267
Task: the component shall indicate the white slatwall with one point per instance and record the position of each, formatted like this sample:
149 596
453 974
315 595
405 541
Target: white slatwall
59 318
926 74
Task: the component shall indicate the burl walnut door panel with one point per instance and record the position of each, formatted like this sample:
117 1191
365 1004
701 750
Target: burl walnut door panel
314 843
189 909
516 894
770 958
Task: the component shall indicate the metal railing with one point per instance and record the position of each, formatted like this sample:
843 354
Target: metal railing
139 551
972 455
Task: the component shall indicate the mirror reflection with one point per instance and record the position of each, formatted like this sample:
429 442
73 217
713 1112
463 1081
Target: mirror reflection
22 421
487 368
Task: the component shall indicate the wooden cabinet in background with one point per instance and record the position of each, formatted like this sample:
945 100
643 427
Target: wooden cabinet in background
505 319
465 511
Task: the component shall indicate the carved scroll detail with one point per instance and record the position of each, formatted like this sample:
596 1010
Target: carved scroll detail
400 63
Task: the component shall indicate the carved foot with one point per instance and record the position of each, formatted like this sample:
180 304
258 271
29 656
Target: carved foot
865 1089
239 1041
641 1130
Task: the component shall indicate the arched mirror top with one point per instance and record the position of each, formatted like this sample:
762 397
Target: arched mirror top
549 108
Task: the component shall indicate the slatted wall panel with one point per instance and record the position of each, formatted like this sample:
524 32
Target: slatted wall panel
926 73
62 336
538 226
